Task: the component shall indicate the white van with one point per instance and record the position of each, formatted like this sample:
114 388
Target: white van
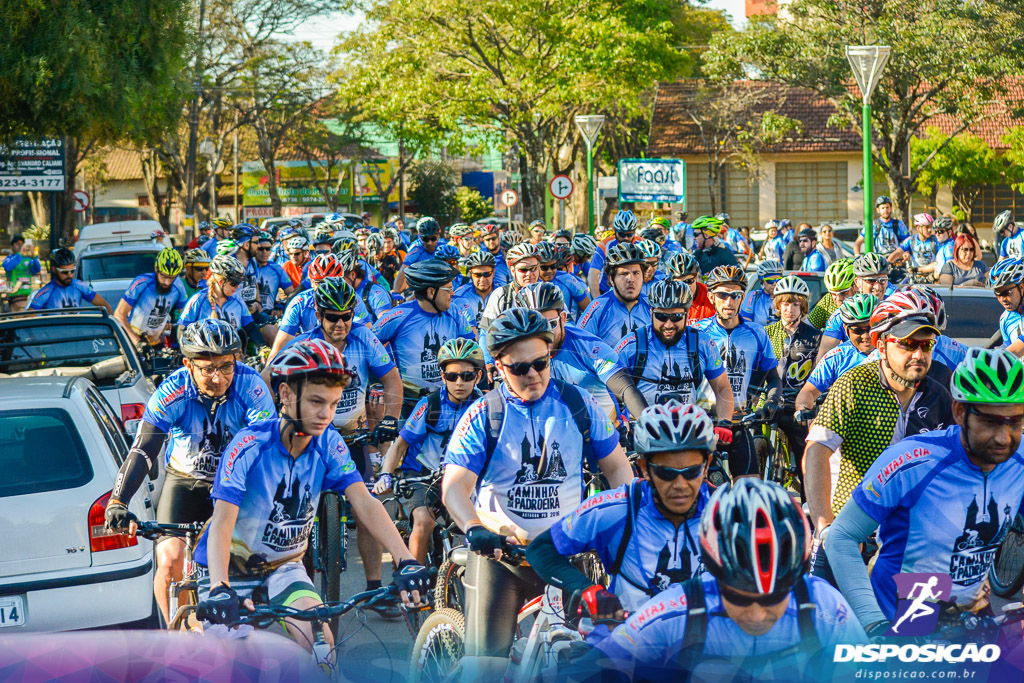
118 232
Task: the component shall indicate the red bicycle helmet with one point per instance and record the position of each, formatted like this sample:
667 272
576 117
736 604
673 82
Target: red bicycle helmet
309 357
900 307
325 265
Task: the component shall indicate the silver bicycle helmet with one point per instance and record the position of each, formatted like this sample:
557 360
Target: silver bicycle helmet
674 426
791 284
517 324
541 296
209 338
229 267
670 294
769 267
584 246
870 264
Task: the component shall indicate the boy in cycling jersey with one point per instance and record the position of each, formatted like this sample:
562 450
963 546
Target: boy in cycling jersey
755 613
267 491
757 306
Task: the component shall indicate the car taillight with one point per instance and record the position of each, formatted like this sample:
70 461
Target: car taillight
131 414
101 539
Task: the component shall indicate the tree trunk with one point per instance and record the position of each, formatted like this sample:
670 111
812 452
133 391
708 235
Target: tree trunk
40 203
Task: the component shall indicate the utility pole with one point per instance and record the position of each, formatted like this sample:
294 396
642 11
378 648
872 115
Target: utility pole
867 62
193 129
401 180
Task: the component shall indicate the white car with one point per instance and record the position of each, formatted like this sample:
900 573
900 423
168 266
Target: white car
61 445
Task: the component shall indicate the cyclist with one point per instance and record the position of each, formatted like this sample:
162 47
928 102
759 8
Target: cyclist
942 500
428 230
218 300
757 306
415 331
515 466
614 315
644 532
754 614
921 247
813 260
390 258
524 264
774 247
375 299
579 358
840 281
1007 279
20 267
583 248
491 243
197 268
300 313
460 236
706 248
573 288
471 297
668 358
1012 242
945 240
221 230
267 491
652 256
199 407
420 446
270 277
872 406
683 267
889 231
537 231
202 230
297 248
948 353
624 227
872 277
153 300
855 313
64 290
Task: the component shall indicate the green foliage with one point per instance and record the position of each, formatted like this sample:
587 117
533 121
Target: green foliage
964 162
432 186
472 205
1014 156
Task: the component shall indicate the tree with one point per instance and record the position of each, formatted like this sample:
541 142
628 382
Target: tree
472 205
965 163
432 188
1014 157
930 73
517 69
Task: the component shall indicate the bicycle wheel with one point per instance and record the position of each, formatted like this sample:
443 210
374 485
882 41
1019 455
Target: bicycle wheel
439 646
328 581
1006 575
449 591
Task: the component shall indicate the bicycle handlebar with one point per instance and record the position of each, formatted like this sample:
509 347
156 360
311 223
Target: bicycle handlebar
154 530
266 615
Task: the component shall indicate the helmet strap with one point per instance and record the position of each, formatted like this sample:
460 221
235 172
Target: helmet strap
902 381
293 425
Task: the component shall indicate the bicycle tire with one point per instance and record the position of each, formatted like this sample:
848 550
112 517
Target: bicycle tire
440 644
449 591
331 549
1006 575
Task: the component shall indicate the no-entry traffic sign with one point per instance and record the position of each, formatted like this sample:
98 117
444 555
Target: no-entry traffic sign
509 198
81 199
560 187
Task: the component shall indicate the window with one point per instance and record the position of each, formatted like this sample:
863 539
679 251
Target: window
41 450
736 195
995 199
811 192
116 266
44 346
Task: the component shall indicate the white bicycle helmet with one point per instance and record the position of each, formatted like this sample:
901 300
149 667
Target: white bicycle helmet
768 267
791 284
297 242
674 426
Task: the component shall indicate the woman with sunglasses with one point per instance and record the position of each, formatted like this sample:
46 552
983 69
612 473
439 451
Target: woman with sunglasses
754 614
757 306
420 446
218 300
965 268
644 532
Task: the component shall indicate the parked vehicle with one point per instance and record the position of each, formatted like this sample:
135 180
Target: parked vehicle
109 269
117 232
60 448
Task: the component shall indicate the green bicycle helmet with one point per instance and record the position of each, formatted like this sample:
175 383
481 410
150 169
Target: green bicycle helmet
334 294
460 349
660 221
870 264
857 309
992 377
683 264
168 262
226 247
839 276
709 225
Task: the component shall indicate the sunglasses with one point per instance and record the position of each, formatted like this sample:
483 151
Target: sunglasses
913 344
665 473
688 280
1005 294
318 252
723 296
467 376
553 323
663 317
547 269
524 271
1015 422
859 329
337 317
745 601
483 274
429 239
264 248
66 271
201 269
521 369
771 279
876 280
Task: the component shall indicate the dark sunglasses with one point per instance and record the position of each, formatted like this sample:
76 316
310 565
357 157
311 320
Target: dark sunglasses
1013 421
663 317
481 273
429 239
859 329
521 369
524 271
672 473
723 296
339 317
467 376
769 600
913 344
549 268
264 248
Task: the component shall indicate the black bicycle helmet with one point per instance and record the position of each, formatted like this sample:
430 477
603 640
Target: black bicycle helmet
427 227
229 267
670 294
882 199
334 294
546 252
541 296
755 538
683 264
517 324
209 337
624 254
563 256
61 258
430 273
509 239
478 259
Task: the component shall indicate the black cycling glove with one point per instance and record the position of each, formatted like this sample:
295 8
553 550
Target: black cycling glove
117 516
412 576
594 601
484 541
221 607
387 430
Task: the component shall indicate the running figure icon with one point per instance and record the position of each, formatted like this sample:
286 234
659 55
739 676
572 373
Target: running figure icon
918 608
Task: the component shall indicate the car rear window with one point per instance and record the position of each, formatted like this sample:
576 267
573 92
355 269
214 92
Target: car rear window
40 450
25 346
116 266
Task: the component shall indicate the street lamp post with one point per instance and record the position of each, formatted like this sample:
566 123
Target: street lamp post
209 150
868 62
590 126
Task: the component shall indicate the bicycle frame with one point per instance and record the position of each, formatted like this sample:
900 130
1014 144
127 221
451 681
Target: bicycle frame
548 636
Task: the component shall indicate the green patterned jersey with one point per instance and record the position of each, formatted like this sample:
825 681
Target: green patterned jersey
822 311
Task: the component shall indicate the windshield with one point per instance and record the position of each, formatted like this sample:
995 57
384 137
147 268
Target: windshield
116 265
45 348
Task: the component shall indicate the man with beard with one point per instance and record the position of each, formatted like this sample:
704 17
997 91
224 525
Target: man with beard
270 277
624 309
153 300
63 290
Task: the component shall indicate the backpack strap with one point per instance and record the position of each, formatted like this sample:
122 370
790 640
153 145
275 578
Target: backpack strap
433 408
573 397
809 640
366 300
692 354
495 417
696 630
640 359
634 496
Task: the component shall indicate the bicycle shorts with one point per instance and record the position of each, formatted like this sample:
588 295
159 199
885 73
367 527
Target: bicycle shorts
361 458
280 588
184 500
423 495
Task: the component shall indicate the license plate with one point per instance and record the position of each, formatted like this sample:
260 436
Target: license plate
12 611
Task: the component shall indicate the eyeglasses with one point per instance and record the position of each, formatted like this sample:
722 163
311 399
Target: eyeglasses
296 253
337 317
264 248
771 279
446 289
883 280
482 274
553 323
224 370
430 239
524 271
859 329
520 369
66 271
467 376
688 280
724 296
663 317
548 269
744 601
913 344
1015 422
201 269
672 473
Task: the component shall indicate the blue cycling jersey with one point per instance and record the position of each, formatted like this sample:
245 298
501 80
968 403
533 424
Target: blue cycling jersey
277 494
608 318
835 329
52 295
744 349
426 442
757 308
667 372
735 240
1011 326
378 298
232 311
197 434
836 362
152 309
300 314
922 251
1012 246
787 235
367 359
775 248
585 361
938 513
532 433
814 262
888 235
598 260
648 646
943 253
270 279
467 299
574 291
415 336
210 247
417 253
658 553
657 277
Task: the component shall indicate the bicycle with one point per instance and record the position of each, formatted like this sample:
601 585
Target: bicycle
183 596
778 465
